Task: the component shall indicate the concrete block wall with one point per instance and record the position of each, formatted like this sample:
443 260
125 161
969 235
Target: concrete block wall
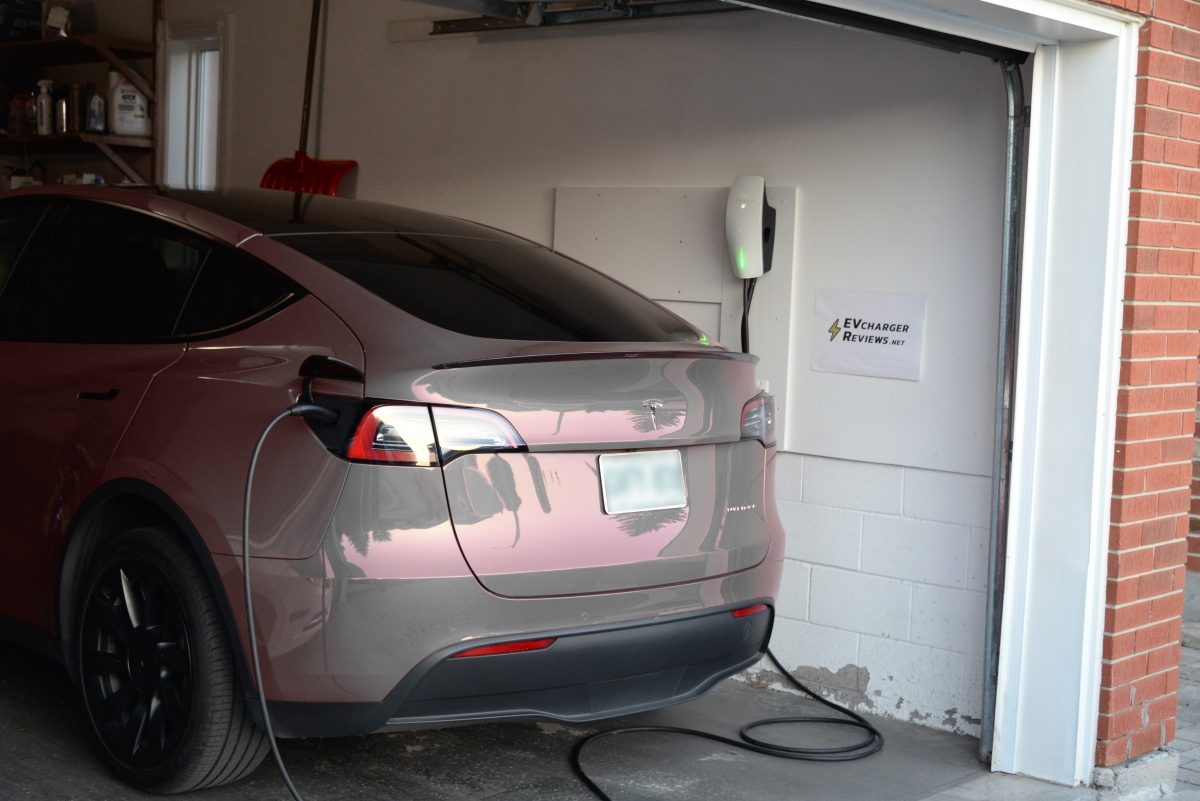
882 604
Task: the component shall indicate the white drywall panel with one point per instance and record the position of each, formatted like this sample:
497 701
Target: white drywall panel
668 244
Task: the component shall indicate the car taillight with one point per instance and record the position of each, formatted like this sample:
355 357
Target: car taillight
462 430
406 434
395 435
758 419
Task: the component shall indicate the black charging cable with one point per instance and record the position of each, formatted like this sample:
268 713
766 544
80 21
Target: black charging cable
747 298
296 410
749 742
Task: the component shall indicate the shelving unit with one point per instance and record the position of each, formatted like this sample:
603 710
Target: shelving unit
86 49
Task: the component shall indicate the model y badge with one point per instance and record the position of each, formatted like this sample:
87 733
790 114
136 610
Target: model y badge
652 406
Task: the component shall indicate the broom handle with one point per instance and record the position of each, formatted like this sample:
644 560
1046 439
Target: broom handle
308 75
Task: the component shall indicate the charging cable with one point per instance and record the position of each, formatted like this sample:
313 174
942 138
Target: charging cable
749 742
747 298
296 410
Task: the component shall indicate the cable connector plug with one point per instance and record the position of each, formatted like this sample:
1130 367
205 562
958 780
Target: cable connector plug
315 411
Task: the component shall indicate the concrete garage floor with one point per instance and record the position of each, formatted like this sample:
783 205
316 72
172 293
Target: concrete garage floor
45 753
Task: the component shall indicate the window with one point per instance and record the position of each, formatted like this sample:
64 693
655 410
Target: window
193 103
17 221
108 275
495 288
233 289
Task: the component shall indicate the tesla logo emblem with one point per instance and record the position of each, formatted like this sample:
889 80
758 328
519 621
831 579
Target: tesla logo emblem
652 406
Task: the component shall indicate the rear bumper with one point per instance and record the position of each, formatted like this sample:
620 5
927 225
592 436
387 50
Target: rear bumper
586 674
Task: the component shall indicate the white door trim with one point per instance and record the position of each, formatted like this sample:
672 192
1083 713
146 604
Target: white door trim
1082 95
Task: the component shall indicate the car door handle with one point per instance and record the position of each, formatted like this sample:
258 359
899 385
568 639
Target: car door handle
109 395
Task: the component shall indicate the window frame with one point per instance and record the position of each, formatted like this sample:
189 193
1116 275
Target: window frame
26 266
183 47
39 226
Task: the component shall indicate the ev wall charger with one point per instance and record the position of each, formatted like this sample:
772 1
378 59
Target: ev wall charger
749 227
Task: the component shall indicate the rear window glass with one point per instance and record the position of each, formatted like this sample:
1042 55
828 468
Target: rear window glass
499 289
233 289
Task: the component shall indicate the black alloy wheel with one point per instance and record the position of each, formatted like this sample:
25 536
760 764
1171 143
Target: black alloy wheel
156 669
136 663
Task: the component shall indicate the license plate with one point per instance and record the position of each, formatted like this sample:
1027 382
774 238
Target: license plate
642 482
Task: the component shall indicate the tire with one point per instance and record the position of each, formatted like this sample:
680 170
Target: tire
156 669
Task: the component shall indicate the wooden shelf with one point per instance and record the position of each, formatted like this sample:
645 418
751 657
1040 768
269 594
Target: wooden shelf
33 55
70 143
85 49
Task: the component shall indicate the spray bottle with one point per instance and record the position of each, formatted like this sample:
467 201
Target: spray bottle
45 108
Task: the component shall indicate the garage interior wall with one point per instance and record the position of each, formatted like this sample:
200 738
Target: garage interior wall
897 152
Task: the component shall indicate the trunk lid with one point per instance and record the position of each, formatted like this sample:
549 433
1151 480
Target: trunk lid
535 524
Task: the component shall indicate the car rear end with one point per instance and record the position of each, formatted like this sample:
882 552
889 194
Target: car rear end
560 498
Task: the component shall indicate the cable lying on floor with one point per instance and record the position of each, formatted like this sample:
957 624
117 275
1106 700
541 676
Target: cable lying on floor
748 742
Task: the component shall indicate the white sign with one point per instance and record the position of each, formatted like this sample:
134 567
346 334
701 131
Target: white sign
869 333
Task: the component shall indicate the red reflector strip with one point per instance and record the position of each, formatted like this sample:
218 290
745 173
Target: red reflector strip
517 647
747 611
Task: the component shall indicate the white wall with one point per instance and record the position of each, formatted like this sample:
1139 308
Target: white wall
885 580
897 151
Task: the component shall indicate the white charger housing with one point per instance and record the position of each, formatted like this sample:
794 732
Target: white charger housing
749 227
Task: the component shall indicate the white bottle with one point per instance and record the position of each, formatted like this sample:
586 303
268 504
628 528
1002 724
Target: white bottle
45 109
128 112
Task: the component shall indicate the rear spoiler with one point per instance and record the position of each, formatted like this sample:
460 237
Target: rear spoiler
611 354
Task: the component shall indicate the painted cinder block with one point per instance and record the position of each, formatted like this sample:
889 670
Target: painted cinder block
889 555
793 591
819 653
917 673
947 497
977 559
949 619
858 602
852 485
821 534
789 475
920 550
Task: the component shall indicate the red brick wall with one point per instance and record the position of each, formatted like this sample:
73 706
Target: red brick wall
1156 404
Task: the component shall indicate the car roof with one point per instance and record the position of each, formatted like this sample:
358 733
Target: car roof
270 211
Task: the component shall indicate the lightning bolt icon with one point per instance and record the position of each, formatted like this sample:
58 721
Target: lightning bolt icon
833 330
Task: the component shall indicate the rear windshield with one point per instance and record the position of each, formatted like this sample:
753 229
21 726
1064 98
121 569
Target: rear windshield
499 289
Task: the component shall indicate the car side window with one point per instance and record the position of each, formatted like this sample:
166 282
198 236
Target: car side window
109 274
17 221
233 289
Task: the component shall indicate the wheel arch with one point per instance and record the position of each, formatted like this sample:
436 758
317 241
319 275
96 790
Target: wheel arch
116 507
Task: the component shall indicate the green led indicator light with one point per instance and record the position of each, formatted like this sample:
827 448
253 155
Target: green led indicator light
703 339
741 260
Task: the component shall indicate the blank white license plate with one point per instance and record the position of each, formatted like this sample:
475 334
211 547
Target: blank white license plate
641 482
